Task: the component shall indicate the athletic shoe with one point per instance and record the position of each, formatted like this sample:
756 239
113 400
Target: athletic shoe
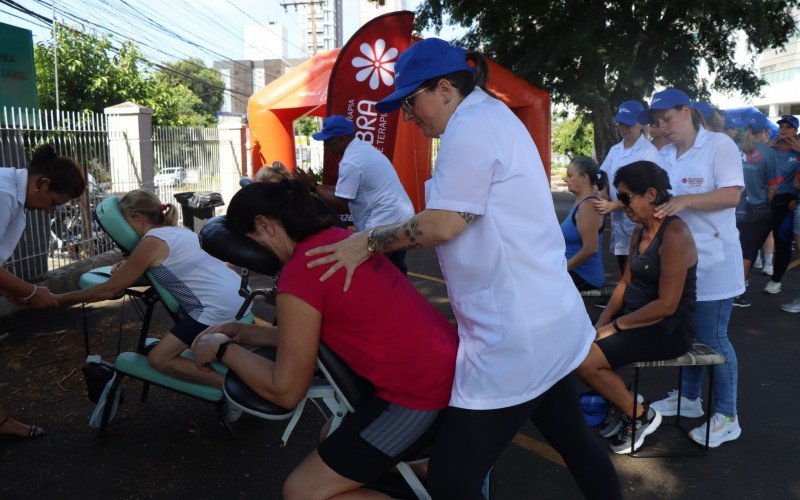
645 425
759 263
611 423
740 301
792 307
772 287
668 406
723 429
767 269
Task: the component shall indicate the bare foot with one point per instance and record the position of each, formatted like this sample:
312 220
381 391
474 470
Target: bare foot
15 428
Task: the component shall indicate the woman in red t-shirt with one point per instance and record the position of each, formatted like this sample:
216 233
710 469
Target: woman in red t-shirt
382 328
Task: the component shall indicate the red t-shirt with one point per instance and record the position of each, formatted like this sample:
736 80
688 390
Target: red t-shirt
382 327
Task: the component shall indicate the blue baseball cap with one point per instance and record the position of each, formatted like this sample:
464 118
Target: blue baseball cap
594 408
422 61
334 126
664 100
791 120
628 112
704 108
758 122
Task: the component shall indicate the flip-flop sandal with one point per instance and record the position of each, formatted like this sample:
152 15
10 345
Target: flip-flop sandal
33 432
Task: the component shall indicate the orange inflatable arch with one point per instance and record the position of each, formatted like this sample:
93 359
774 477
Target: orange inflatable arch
304 91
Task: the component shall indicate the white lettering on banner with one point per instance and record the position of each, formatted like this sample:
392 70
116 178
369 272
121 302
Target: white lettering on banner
350 105
365 122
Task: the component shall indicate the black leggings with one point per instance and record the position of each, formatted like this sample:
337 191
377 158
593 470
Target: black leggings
622 261
470 441
783 249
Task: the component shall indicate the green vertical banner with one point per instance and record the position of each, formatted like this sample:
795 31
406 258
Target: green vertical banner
17 73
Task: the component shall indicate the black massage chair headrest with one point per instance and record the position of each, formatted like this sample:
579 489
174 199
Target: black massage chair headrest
238 249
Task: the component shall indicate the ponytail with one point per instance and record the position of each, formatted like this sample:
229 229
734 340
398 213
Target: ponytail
587 166
466 81
142 201
170 214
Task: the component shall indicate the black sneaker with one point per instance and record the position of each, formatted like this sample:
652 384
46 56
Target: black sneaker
645 425
611 423
741 301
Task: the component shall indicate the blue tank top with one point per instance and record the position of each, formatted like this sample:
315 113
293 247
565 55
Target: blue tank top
592 270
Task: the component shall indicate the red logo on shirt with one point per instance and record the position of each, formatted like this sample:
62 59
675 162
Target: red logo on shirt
693 181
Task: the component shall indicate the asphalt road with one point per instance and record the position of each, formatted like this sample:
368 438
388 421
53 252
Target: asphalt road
171 446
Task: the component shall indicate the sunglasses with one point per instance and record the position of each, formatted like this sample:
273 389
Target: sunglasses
625 198
407 103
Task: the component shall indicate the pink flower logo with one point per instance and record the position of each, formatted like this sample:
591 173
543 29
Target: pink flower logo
378 65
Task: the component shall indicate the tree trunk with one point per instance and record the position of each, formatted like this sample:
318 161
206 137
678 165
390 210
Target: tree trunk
605 132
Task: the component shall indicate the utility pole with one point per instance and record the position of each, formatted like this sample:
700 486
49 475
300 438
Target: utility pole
312 7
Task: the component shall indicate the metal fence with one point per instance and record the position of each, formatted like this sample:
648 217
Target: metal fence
185 159
52 240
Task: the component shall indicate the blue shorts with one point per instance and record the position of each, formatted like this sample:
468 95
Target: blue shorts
187 330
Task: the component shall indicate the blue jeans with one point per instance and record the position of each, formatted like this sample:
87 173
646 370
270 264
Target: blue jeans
711 328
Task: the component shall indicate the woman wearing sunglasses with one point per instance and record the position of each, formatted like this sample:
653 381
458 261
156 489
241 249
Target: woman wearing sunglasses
522 324
649 316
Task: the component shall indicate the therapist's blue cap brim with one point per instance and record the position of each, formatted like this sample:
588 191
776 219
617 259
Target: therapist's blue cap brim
791 120
758 122
422 61
334 126
628 112
664 100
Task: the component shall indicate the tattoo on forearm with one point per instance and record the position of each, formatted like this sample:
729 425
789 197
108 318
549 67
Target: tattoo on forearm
468 217
386 240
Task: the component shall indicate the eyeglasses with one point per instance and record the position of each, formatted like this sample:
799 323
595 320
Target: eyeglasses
625 198
407 103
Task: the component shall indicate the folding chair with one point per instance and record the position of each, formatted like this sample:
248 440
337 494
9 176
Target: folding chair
135 364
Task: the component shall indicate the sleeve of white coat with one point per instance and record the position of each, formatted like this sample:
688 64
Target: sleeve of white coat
7 205
464 169
728 166
348 181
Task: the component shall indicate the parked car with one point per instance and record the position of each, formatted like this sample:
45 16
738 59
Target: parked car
170 177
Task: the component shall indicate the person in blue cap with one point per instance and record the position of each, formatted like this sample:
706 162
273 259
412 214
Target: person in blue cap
753 215
634 146
787 151
711 116
707 181
522 325
367 184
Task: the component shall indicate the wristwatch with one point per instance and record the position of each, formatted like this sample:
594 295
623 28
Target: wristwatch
222 348
616 326
371 241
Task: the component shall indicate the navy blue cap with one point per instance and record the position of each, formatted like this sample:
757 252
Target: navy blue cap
422 61
628 112
664 100
791 120
704 108
334 126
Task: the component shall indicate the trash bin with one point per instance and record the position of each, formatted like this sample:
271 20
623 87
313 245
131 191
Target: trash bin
198 206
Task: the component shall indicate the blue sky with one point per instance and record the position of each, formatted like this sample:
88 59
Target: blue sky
209 29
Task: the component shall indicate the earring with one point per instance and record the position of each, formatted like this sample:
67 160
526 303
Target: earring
447 100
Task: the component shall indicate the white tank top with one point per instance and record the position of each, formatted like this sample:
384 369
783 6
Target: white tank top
205 287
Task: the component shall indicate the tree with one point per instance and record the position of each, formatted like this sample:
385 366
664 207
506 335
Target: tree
572 136
305 126
93 75
205 83
596 54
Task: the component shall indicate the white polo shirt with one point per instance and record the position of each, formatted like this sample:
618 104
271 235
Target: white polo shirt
13 189
521 322
618 156
368 179
713 162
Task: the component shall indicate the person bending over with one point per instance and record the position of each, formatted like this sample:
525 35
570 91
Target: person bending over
649 316
206 289
382 328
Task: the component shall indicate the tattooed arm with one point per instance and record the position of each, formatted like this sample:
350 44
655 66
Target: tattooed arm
426 229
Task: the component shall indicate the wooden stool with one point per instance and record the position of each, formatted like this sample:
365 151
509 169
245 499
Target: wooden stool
699 355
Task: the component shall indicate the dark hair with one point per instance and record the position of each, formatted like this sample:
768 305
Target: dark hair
640 176
466 80
288 201
587 166
65 175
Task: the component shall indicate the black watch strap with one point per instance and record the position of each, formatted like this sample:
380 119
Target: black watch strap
616 326
222 348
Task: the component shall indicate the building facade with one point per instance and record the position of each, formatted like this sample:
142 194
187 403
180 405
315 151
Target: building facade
244 78
781 70
321 26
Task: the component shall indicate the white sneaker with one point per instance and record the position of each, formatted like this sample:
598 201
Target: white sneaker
759 263
723 429
772 287
668 406
767 269
792 307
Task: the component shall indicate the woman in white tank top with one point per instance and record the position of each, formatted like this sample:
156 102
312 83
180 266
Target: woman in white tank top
205 288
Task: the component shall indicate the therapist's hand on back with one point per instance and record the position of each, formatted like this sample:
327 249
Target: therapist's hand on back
347 254
674 205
